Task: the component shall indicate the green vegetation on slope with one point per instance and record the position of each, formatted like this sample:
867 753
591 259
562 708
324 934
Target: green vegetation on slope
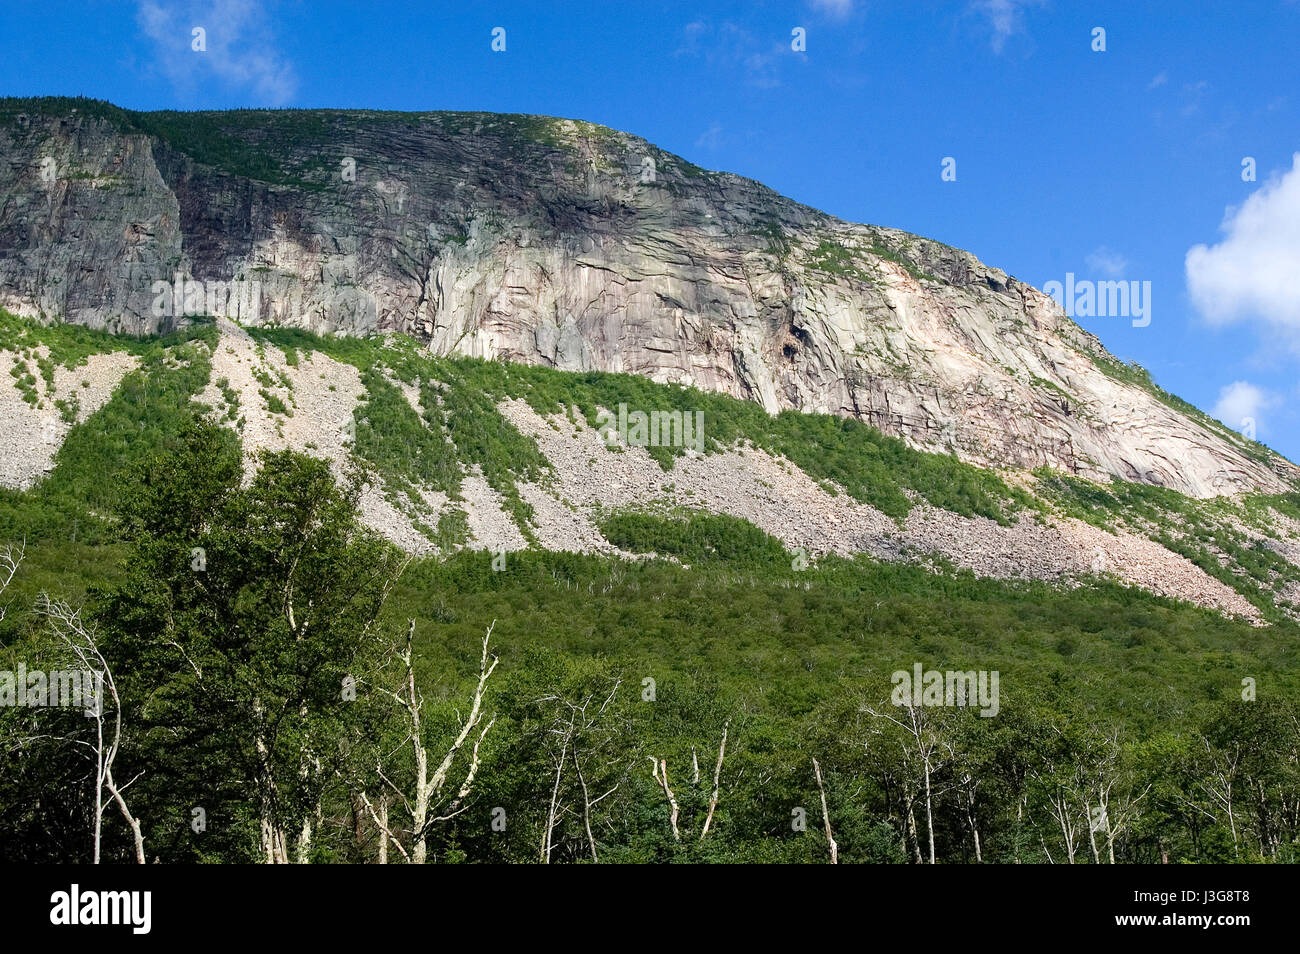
460 430
103 454
299 147
836 259
1206 532
69 345
401 447
870 466
1099 686
696 538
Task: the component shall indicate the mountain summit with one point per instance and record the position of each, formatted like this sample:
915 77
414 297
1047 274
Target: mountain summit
561 243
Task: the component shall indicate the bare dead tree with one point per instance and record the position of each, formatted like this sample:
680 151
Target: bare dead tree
660 775
1223 766
1068 783
924 748
586 806
1117 803
1063 812
966 782
1060 790
11 558
583 730
380 817
1118 814
717 775
79 638
826 816
427 787
549 830
1089 788
586 726
659 772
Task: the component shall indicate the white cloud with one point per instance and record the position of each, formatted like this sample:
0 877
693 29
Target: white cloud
1160 79
240 54
1107 261
839 9
1193 95
711 138
1004 18
737 51
1242 400
1254 273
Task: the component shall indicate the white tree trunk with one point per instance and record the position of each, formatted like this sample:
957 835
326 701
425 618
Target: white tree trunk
717 774
826 816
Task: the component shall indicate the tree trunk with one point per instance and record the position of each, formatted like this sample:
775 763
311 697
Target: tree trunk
717 774
974 828
586 804
911 830
1092 833
826 816
929 810
555 794
660 774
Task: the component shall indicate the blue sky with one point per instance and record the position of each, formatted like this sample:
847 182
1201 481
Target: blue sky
1109 165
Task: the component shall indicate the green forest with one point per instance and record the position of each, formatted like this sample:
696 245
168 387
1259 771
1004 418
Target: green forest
282 685
303 692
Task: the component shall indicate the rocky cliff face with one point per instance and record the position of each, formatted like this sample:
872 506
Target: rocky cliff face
562 243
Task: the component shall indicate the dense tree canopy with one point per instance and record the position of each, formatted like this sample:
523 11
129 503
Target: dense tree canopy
273 709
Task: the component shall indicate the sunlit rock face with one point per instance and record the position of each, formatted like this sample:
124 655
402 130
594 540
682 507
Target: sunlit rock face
571 245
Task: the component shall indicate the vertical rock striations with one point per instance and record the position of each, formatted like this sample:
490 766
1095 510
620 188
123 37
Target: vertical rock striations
567 244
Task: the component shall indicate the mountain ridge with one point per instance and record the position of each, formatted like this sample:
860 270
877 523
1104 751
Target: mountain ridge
535 240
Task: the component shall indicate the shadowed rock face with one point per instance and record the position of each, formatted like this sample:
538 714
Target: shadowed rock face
554 242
